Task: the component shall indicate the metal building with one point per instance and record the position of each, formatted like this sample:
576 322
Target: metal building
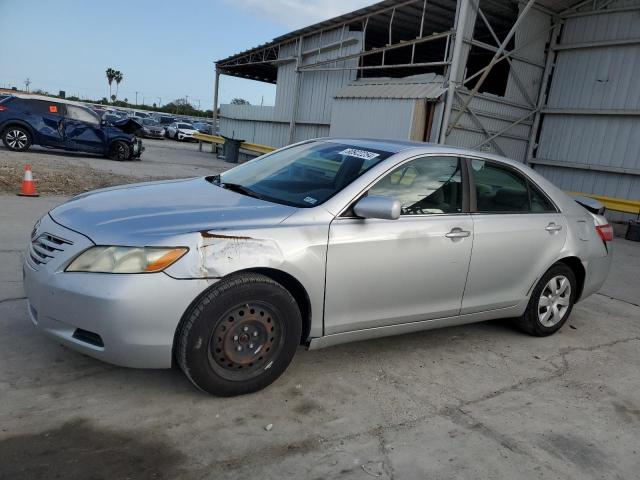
553 83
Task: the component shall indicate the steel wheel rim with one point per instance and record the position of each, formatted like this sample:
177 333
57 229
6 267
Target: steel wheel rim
16 139
245 341
555 300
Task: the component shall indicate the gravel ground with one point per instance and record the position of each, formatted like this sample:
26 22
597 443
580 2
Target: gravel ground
58 172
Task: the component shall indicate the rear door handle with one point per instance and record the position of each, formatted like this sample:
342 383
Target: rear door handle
552 227
458 233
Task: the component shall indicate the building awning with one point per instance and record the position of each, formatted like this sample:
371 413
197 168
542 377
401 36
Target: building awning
428 86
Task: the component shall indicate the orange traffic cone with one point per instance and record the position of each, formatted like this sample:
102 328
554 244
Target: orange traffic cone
28 185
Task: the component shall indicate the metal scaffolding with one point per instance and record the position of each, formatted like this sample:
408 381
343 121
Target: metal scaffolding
404 25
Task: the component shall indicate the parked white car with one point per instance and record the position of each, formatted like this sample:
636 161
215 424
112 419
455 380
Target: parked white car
180 131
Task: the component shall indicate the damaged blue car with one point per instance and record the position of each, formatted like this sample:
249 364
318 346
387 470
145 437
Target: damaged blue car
56 123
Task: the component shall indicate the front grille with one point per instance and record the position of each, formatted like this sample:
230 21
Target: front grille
46 247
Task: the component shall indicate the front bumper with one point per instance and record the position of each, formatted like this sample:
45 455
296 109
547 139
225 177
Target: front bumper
138 148
127 320
185 136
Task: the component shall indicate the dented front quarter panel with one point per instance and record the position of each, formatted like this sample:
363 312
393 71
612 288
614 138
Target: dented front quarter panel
297 246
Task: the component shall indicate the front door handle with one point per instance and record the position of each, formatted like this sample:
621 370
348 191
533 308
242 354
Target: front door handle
458 233
552 227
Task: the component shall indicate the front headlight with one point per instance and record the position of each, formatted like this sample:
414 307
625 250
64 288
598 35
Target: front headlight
126 259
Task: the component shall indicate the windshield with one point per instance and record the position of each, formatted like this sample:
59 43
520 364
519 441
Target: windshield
149 122
184 125
306 175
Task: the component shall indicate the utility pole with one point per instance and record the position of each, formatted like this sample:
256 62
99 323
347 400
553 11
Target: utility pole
136 98
159 101
27 82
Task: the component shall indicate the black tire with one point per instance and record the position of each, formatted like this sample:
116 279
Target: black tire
240 336
532 320
16 138
120 151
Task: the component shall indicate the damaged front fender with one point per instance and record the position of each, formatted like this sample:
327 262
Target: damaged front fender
219 254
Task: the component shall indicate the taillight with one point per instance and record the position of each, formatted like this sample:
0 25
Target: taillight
2 108
605 232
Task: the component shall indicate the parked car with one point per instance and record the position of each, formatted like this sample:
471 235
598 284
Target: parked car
202 127
320 243
151 129
26 121
180 131
138 115
165 119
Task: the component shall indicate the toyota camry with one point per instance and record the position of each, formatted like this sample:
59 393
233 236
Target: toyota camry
320 243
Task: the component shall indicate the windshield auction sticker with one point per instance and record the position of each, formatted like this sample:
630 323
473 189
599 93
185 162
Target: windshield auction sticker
354 152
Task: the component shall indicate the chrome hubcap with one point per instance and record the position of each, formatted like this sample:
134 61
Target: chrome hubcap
555 300
16 139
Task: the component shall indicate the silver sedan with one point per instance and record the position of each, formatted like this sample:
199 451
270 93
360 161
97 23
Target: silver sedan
320 243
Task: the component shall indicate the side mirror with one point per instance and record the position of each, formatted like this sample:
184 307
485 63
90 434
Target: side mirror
378 206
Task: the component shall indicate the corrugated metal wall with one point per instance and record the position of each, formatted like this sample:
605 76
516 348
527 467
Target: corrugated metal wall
584 151
270 125
496 113
372 117
317 88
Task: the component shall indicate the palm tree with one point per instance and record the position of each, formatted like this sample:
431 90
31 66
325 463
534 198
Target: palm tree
111 74
118 78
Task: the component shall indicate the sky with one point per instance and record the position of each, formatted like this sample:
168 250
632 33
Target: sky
165 49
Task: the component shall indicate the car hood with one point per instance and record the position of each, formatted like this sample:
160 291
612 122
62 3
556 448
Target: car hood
127 125
187 130
147 213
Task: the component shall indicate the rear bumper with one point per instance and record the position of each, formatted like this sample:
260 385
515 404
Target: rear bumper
596 272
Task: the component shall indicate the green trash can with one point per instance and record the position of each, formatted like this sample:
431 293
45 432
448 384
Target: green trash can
231 149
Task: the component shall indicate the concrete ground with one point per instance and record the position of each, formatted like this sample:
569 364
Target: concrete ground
477 401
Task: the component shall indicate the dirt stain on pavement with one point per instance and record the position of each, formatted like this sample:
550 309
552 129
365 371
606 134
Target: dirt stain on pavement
78 449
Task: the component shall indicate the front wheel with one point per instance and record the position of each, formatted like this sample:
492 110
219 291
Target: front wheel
240 336
551 302
120 151
16 138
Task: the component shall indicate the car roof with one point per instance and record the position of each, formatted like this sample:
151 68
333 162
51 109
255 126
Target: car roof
397 146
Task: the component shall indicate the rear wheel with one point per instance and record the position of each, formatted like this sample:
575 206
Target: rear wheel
240 336
16 138
120 151
551 302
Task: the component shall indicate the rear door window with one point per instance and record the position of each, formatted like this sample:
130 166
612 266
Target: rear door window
500 189
46 108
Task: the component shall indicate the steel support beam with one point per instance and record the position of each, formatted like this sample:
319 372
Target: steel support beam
584 166
480 125
512 70
296 91
457 65
379 67
600 12
373 51
216 88
493 61
542 93
587 112
600 44
505 130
